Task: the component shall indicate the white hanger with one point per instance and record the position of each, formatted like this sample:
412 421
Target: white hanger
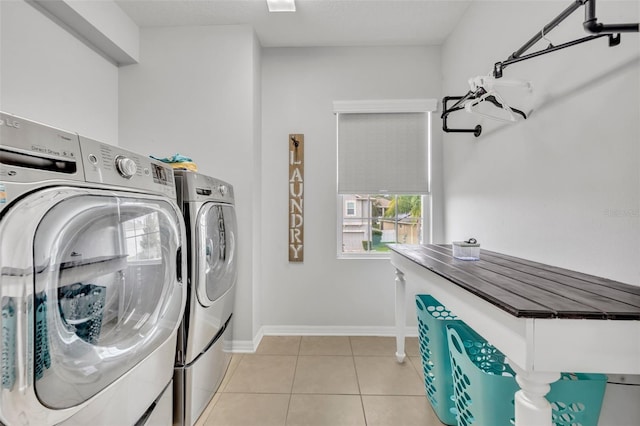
506 113
488 84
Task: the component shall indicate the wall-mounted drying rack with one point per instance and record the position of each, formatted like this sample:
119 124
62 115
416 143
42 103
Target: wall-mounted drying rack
591 24
457 107
483 92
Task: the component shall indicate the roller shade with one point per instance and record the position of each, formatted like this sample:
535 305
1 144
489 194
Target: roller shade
383 152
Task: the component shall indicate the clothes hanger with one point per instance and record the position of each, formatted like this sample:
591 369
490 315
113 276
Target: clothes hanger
488 82
502 112
492 98
484 91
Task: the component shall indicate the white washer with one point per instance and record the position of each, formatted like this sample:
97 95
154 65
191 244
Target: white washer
90 280
205 335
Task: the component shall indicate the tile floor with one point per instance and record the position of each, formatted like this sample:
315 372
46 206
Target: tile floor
322 381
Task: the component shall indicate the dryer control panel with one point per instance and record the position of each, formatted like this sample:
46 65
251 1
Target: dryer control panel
34 152
198 187
113 165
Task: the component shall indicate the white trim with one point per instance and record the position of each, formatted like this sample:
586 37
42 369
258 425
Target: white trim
243 347
250 346
339 240
346 208
385 106
247 346
318 330
339 199
429 185
365 255
102 25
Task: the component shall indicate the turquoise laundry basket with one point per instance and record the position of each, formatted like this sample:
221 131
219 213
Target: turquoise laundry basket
484 386
436 364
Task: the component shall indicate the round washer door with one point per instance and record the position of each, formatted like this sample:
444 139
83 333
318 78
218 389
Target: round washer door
216 251
104 292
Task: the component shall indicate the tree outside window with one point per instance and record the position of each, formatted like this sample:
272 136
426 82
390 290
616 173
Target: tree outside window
379 221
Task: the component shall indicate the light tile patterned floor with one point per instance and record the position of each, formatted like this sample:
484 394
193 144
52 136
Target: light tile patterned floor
322 381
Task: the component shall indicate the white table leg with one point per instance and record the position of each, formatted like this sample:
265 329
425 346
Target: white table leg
401 315
532 408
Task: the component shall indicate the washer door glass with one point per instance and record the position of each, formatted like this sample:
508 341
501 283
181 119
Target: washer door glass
106 292
216 248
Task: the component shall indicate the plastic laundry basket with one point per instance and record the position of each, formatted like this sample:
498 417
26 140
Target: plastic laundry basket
484 386
436 365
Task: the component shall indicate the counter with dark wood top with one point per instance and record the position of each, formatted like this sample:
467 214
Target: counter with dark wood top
545 319
529 289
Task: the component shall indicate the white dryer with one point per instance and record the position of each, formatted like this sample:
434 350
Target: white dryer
205 335
90 280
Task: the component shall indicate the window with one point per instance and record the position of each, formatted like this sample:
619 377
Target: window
143 237
384 219
383 174
350 207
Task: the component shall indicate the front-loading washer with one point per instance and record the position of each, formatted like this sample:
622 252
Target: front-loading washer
205 335
90 280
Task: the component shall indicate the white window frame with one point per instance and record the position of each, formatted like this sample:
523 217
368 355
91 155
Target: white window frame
346 208
388 106
137 233
425 231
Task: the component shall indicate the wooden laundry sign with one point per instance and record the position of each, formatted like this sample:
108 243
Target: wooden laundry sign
296 197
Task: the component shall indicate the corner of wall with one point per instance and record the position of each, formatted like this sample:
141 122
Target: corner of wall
257 180
248 346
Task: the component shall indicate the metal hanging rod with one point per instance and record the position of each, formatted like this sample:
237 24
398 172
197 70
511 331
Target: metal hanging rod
498 67
590 24
456 107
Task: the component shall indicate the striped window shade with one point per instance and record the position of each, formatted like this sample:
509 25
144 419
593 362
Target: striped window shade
383 146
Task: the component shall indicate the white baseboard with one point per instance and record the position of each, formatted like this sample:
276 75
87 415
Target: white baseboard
250 346
312 330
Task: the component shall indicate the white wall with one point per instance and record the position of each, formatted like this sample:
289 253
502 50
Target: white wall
196 92
563 187
323 294
48 75
258 195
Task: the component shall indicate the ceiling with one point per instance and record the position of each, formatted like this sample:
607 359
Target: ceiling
315 22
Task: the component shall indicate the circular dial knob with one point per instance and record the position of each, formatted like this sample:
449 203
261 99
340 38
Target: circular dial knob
126 166
223 190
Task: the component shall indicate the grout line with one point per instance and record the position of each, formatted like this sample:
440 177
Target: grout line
231 372
208 411
293 381
364 413
295 373
286 416
353 357
355 369
325 393
325 355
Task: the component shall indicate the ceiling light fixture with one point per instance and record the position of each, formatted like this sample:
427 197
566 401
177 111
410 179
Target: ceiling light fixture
281 5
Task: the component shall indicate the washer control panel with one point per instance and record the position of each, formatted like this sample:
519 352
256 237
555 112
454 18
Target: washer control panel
125 166
113 165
